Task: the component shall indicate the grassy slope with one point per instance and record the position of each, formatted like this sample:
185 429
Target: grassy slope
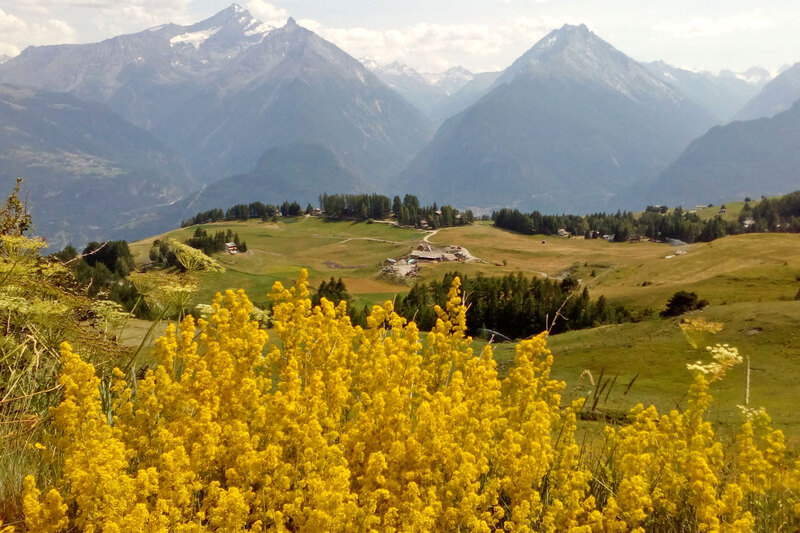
277 252
740 268
750 281
733 210
657 352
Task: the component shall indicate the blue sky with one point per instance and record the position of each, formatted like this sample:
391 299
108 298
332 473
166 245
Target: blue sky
432 35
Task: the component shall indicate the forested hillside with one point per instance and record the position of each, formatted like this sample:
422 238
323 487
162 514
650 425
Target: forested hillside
779 214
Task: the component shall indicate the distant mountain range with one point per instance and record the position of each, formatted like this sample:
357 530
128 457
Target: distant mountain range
776 96
84 167
722 95
467 95
294 87
438 95
144 75
732 162
427 91
224 90
127 136
223 94
569 126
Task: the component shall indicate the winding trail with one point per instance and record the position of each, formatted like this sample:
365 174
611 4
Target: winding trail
429 235
468 257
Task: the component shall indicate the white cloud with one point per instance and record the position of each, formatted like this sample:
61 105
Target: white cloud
116 5
434 47
268 13
420 39
16 33
707 27
32 6
113 17
9 50
10 23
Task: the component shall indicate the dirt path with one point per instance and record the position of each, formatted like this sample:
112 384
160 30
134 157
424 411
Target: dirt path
367 239
468 257
429 235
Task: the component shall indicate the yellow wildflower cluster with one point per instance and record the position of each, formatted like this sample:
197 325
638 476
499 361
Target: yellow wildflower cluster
41 305
339 428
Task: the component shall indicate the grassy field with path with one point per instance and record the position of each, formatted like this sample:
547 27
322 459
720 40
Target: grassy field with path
750 281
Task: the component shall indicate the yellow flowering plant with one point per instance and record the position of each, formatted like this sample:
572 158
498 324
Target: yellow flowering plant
41 305
335 427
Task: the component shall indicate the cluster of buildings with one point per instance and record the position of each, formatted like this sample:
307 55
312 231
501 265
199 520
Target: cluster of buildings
424 253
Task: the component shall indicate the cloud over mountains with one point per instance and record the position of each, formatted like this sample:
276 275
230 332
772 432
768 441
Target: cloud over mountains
438 34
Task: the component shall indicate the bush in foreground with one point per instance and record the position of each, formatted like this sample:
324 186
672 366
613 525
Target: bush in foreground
339 428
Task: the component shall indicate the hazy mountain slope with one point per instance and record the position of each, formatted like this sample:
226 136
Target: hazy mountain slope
426 91
84 166
721 95
776 96
571 124
297 172
295 86
451 80
741 159
467 95
408 83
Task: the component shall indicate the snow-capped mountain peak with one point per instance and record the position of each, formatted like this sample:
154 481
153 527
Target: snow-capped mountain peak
395 68
755 76
163 56
423 89
194 38
233 14
576 53
400 69
369 63
778 95
450 80
235 25
721 94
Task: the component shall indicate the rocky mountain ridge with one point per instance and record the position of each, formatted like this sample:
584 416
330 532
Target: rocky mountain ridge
573 125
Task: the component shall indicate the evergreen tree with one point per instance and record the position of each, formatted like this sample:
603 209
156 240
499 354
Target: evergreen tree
397 204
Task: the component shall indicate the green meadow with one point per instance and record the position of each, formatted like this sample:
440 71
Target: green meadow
749 280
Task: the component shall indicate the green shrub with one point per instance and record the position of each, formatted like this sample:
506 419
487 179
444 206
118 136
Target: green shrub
682 302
